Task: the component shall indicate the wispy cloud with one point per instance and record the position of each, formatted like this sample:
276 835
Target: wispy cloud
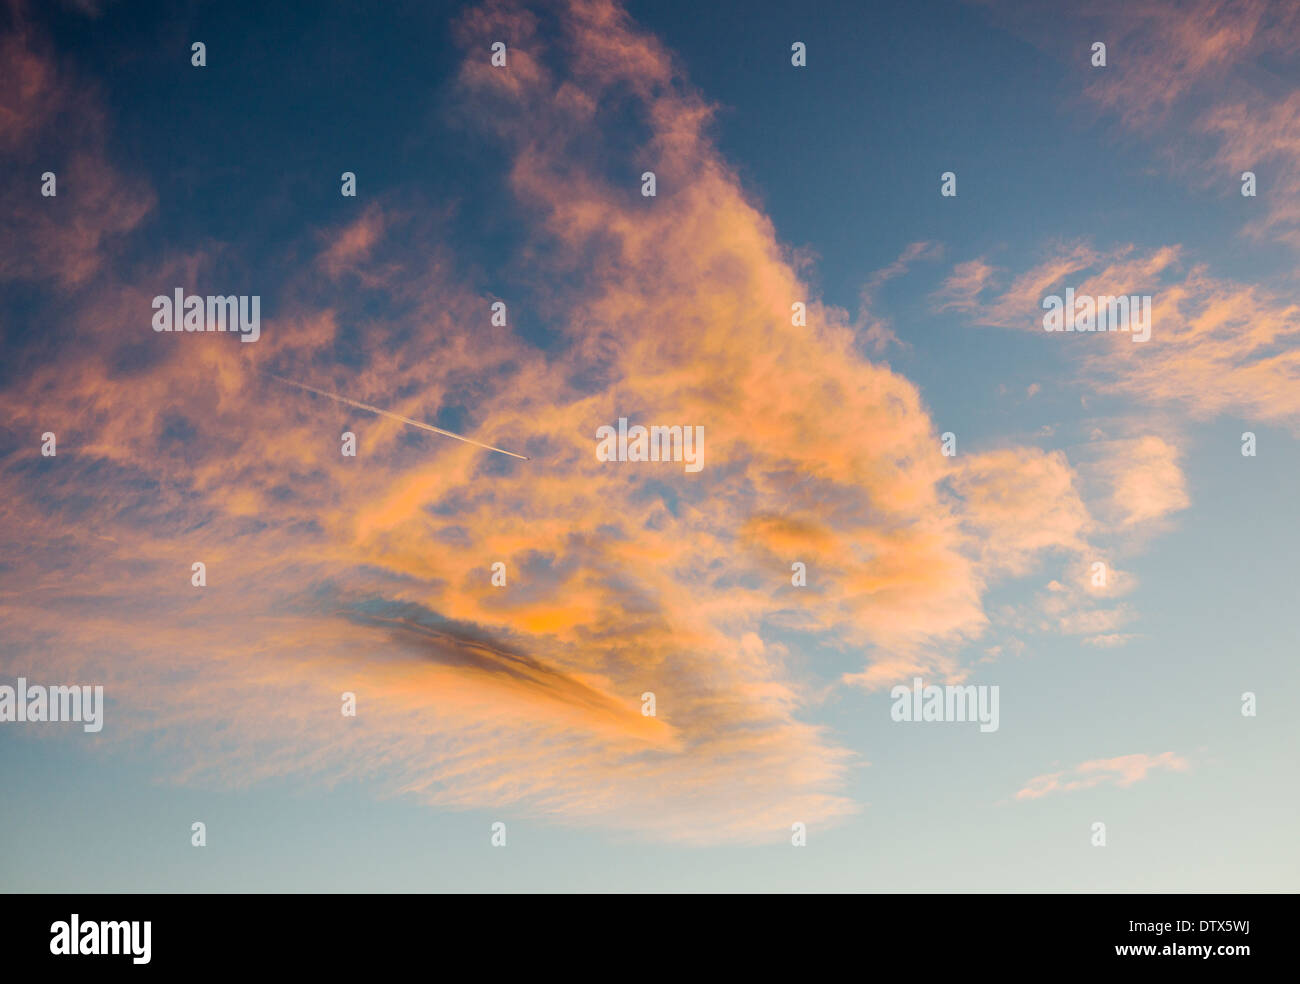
1217 345
1123 770
373 574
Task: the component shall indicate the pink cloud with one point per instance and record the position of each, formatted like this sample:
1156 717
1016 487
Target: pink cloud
373 574
1123 770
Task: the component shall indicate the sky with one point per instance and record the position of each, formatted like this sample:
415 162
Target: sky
907 478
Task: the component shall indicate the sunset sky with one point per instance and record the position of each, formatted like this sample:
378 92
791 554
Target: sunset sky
776 184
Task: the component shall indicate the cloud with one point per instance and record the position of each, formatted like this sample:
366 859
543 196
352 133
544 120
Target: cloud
1162 53
1021 502
962 289
875 329
353 243
1203 81
1109 640
1145 480
52 121
1123 770
1217 345
373 575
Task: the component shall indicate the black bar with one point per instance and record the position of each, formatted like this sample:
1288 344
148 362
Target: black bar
659 933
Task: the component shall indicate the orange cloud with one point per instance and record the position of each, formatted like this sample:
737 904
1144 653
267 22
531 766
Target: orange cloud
51 121
1123 770
1216 346
1145 480
354 242
1182 72
374 574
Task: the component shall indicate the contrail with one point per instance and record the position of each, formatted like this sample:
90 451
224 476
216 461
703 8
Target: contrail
395 416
